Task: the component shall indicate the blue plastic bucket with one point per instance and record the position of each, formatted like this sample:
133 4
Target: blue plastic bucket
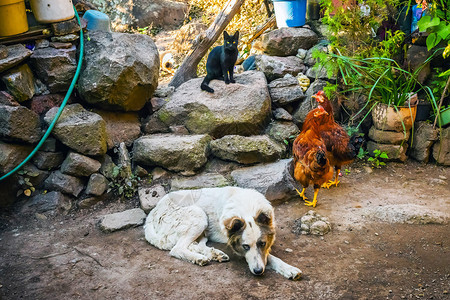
290 13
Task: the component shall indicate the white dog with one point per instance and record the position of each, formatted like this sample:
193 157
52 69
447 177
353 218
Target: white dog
183 221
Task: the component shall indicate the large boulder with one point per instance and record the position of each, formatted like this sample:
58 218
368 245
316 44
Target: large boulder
161 13
120 70
274 180
79 165
282 131
287 41
246 150
122 127
285 90
54 67
204 180
394 152
276 67
177 153
79 129
241 108
20 83
66 184
18 123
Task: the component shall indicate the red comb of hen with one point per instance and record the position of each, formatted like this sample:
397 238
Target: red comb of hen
320 93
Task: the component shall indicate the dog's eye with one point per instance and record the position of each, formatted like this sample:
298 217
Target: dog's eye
261 244
246 247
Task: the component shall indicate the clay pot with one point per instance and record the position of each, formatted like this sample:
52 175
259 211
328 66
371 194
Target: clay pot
387 117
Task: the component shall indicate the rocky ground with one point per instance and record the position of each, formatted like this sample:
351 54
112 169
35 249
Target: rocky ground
379 247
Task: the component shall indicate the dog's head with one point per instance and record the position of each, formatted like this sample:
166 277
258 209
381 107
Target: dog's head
252 237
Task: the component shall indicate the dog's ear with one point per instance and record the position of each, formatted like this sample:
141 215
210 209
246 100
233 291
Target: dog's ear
264 218
233 225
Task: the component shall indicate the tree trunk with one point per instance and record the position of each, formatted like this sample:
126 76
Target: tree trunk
188 68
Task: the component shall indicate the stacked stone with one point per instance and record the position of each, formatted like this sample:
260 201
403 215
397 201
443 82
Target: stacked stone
394 143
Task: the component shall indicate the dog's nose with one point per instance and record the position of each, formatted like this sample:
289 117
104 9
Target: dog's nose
258 271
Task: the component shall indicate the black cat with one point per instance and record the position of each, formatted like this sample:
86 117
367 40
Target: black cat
221 61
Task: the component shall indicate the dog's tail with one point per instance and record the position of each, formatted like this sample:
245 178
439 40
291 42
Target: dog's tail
204 86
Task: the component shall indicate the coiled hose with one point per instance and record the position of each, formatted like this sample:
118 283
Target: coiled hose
61 108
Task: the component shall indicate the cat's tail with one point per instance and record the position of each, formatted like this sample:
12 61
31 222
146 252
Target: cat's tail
204 86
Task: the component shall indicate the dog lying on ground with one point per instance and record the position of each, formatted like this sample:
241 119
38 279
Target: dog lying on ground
183 221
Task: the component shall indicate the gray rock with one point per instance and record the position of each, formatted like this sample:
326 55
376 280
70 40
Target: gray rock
164 91
18 123
394 152
240 108
97 184
246 150
178 129
68 38
79 129
177 153
416 56
277 67
16 54
122 220
160 13
120 70
287 41
47 160
50 201
282 131
107 167
157 103
79 165
19 82
406 214
320 73
312 223
7 99
120 127
388 137
43 103
205 180
282 114
66 184
54 67
3 52
65 27
301 53
441 149
423 139
12 155
274 180
285 90
309 60
42 43
309 103
59 45
149 196
49 145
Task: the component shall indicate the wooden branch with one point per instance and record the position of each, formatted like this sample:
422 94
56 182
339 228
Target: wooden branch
188 68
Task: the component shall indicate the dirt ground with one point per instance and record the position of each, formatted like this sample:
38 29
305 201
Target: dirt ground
68 257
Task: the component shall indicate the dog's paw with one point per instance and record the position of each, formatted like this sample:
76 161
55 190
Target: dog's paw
220 256
292 273
202 261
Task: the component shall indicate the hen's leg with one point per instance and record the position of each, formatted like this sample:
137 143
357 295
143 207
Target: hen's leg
302 194
314 202
335 182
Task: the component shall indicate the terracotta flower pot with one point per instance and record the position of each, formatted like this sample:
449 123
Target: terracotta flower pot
391 118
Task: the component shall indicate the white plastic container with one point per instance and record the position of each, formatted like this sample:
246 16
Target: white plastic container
50 11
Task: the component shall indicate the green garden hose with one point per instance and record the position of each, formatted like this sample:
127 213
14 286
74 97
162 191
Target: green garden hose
61 108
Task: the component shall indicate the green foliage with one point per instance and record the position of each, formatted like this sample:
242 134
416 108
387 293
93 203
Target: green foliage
376 160
123 185
437 23
362 153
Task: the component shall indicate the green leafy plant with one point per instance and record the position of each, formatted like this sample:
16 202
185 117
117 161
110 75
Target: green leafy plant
362 153
376 160
123 185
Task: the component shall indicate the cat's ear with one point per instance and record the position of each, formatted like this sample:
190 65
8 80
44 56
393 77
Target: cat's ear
226 36
236 35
